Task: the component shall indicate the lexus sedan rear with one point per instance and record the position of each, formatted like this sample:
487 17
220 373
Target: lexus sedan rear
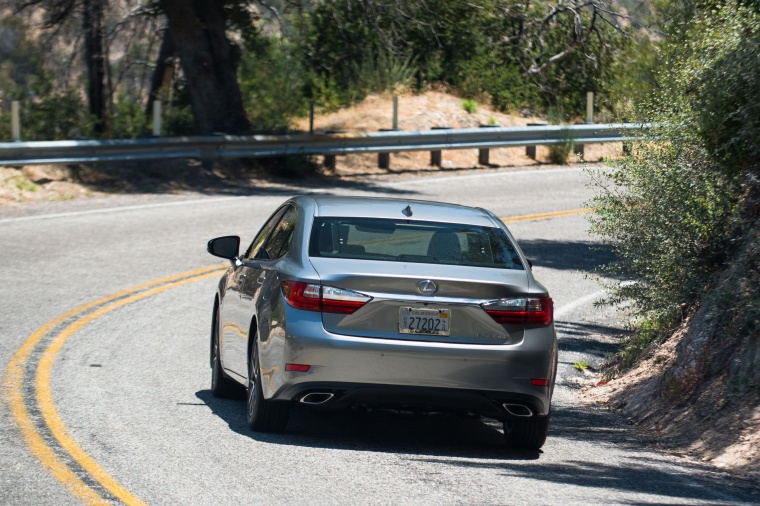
341 301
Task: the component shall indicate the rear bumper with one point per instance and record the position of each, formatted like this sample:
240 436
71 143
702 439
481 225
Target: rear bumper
394 372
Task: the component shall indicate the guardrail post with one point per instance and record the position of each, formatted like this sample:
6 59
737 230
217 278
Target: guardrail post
589 107
15 121
311 117
483 153
384 159
329 163
580 149
156 118
436 157
530 151
395 112
483 156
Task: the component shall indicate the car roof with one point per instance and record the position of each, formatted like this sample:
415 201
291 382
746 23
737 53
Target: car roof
394 208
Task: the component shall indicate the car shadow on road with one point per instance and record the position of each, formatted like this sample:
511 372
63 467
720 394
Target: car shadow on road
567 255
387 431
574 454
583 337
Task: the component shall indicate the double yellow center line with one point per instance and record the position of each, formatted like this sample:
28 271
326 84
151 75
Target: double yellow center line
46 435
48 438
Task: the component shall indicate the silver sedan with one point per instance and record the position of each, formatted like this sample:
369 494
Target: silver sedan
342 301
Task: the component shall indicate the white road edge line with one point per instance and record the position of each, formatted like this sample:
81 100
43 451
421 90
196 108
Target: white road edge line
490 174
221 199
561 312
118 209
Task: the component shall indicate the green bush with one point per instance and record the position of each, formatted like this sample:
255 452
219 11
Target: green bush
127 119
470 106
382 72
273 86
58 115
671 208
560 153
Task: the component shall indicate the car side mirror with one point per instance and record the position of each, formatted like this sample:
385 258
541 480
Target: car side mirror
225 247
530 264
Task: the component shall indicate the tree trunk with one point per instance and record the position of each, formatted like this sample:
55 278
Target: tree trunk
164 71
92 25
208 61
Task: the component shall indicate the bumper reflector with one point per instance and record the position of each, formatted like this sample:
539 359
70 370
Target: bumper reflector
297 367
539 382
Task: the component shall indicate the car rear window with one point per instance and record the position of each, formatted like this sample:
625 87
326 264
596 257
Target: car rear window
412 241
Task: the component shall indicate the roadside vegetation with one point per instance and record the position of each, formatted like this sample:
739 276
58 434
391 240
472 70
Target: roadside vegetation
682 212
92 68
678 208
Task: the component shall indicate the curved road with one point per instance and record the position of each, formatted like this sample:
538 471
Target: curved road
112 402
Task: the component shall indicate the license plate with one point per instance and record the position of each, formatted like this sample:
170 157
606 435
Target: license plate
434 322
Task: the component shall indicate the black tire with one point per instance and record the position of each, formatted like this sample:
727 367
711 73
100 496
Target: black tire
263 415
221 385
527 433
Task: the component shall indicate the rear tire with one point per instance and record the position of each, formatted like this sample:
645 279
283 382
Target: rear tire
221 385
263 415
527 433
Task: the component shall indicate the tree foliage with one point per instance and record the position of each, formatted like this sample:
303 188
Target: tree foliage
674 207
519 53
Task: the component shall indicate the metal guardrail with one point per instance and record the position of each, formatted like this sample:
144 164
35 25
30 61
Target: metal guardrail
255 146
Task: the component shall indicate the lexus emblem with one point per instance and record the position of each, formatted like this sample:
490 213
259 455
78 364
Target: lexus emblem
427 287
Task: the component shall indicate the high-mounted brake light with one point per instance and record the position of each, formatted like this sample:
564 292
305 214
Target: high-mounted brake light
328 299
521 311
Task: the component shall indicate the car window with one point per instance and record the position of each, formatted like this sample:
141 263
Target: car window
279 241
410 241
256 246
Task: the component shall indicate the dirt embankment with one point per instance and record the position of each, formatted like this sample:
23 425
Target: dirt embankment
699 391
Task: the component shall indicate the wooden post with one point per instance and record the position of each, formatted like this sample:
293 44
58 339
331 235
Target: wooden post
483 156
311 117
484 153
530 151
156 118
436 155
395 112
384 160
15 121
589 107
329 163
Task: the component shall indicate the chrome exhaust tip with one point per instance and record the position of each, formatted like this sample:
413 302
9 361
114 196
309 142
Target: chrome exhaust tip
518 409
315 398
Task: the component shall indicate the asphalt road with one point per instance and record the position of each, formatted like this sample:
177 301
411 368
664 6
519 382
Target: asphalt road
130 384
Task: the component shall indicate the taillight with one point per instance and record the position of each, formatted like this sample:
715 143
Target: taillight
521 311
328 299
337 300
302 295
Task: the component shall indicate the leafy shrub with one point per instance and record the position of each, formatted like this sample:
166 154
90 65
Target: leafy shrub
272 84
560 153
382 72
58 115
127 119
671 207
470 106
